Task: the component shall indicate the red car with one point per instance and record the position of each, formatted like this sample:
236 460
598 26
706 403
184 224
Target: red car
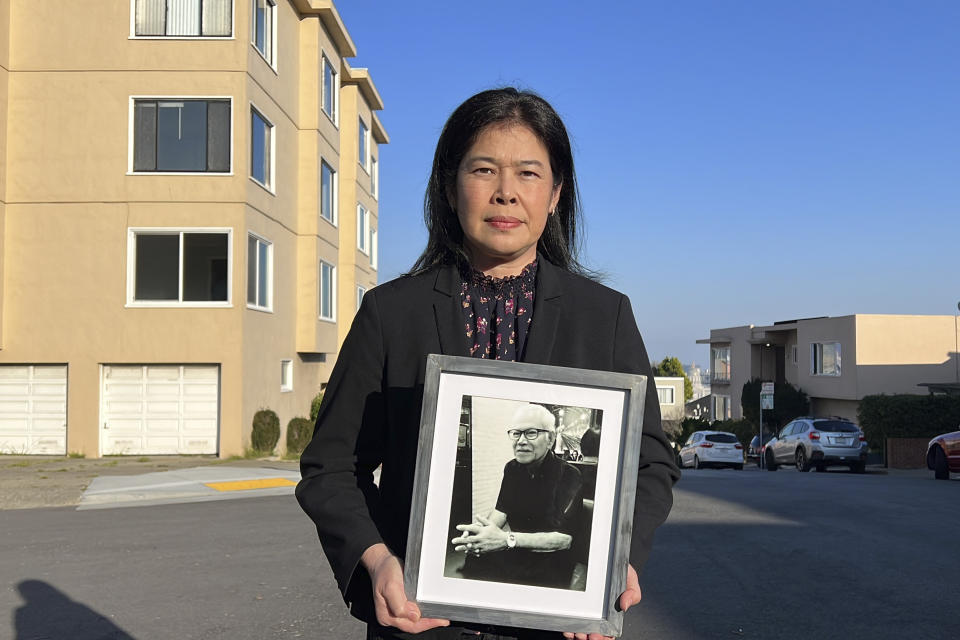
943 455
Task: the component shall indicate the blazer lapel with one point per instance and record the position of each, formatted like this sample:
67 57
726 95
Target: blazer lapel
546 314
447 313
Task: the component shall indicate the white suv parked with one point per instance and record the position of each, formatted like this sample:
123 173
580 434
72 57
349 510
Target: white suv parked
712 449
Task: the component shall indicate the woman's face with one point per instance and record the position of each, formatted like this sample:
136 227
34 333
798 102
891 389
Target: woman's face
504 193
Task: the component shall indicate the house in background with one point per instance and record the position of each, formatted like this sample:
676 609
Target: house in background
670 395
836 361
188 218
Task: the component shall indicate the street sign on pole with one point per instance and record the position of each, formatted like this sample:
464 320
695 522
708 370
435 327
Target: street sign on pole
766 404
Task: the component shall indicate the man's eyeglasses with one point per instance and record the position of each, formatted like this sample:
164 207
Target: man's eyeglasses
529 434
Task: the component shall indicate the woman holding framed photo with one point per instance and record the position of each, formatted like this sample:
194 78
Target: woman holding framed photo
498 279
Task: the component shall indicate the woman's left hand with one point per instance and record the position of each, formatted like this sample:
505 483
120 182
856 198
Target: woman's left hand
628 598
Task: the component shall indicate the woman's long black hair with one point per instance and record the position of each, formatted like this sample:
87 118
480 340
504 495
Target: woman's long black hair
560 242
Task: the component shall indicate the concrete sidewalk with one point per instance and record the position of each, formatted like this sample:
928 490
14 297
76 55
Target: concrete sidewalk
29 482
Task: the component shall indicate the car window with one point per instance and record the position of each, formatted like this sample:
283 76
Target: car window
722 437
786 430
836 426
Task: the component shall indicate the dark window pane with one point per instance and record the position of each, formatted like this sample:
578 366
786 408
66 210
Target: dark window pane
260 149
251 270
328 86
326 191
218 136
205 267
182 136
157 268
836 426
722 438
263 273
144 136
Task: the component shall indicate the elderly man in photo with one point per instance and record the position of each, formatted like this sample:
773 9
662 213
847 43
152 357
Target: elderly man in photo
528 538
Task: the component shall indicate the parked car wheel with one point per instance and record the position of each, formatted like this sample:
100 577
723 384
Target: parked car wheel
803 465
771 463
940 469
858 467
696 463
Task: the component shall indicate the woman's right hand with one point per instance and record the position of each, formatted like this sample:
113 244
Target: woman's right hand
389 599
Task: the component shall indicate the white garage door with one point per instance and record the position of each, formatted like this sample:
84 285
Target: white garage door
159 409
33 409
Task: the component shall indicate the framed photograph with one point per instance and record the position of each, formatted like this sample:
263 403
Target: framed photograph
523 498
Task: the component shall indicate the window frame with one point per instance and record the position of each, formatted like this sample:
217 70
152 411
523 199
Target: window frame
334 196
814 360
363 136
270 271
374 177
333 292
726 401
131 302
361 291
273 12
363 236
131 134
286 370
374 249
271 168
714 377
673 395
233 25
335 88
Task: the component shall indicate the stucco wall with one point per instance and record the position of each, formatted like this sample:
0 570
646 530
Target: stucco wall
895 353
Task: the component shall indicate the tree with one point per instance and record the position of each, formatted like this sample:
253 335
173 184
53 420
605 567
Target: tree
789 402
671 368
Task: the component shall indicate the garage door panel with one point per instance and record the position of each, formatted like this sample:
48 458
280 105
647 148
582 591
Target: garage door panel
123 373
122 446
33 409
177 407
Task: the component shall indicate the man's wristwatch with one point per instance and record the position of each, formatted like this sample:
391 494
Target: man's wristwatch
511 541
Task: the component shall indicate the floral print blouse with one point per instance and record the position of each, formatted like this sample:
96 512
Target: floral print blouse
497 312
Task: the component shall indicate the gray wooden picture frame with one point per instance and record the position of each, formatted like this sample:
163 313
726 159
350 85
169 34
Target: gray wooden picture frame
609 620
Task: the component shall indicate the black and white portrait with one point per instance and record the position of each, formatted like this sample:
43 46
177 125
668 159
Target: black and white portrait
522 502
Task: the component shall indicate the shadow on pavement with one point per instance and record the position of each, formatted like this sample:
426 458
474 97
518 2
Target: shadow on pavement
49 613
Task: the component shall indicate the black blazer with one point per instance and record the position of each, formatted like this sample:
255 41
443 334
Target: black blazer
370 413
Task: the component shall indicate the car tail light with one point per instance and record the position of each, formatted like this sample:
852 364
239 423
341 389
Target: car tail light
706 445
862 439
814 435
738 446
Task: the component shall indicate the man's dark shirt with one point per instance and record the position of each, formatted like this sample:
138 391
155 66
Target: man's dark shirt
550 500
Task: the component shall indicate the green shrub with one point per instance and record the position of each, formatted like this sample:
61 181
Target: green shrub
743 429
907 416
315 406
299 432
266 431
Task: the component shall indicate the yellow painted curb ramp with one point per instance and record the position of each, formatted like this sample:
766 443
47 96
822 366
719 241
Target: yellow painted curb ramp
247 485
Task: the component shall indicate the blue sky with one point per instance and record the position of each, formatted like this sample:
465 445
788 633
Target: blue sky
739 161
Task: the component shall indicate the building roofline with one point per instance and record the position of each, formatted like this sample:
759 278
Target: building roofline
379 133
330 18
361 77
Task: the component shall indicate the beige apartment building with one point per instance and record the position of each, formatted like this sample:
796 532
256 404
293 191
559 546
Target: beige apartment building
670 394
188 218
836 361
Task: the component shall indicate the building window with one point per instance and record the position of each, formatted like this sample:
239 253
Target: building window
328 193
373 248
264 27
794 354
181 135
825 358
363 147
259 273
363 226
374 176
330 89
720 364
261 149
179 267
328 292
665 395
286 375
360 293
183 18
721 407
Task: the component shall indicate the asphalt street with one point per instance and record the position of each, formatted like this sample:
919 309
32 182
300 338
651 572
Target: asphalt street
744 554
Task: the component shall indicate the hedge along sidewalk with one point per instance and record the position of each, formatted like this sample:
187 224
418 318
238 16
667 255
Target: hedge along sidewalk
907 416
56 481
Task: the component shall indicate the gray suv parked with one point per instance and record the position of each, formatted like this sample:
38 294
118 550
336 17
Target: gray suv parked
818 443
